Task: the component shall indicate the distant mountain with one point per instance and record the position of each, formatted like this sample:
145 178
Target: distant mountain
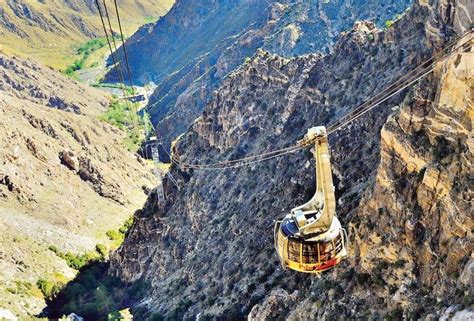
197 44
46 30
188 31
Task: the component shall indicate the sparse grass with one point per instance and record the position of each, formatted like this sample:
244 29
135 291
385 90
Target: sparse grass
23 288
118 236
84 52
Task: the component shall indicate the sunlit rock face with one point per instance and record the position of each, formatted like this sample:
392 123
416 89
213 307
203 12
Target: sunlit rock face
401 175
65 177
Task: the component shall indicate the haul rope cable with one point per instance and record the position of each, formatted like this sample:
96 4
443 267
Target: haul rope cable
126 56
389 92
352 115
117 70
277 153
123 44
341 122
119 73
270 155
119 67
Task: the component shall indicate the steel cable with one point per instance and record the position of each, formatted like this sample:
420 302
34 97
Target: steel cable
421 71
114 60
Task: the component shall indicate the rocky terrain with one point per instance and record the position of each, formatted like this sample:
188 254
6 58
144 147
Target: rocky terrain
65 179
198 43
401 173
47 30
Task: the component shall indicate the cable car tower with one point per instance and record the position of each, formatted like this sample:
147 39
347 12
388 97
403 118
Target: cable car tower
310 238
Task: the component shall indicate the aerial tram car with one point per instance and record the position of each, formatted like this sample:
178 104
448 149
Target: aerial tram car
310 238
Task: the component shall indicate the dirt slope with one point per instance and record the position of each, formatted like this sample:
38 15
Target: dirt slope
65 178
47 30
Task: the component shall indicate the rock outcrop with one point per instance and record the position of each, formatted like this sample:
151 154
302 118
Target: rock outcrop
416 220
31 82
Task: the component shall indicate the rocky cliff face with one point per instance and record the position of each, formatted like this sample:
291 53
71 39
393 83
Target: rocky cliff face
415 221
400 186
65 178
315 25
192 50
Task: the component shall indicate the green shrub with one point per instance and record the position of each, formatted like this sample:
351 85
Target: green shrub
93 294
389 24
54 249
77 261
116 114
75 66
119 115
127 225
91 46
48 288
102 250
114 235
118 236
85 51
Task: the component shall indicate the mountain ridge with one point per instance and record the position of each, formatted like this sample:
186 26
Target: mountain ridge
286 28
